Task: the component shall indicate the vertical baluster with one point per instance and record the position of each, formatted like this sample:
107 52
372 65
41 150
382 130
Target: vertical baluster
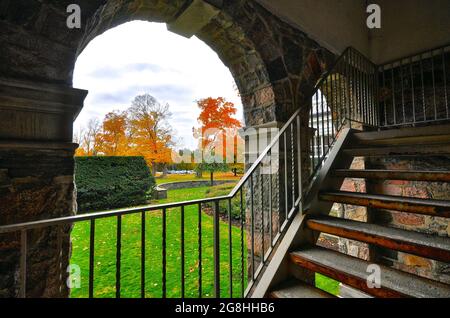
356 110
327 117
200 292
182 252
270 198
445 83
164 253
118 253
403 92
216 250
342 102
293 166
91 258
394 105
312 141
367 91
330 106
349 97
230 246
23 263
59 230
261 191
412 88
143 255
242 243
319 146
299 162
384 98
363 88
423 89
330 102
252 226
323 124
286 204
434 86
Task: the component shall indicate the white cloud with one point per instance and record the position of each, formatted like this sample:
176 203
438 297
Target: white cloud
142 57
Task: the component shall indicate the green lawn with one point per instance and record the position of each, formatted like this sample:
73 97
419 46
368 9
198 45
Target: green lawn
191 177
105 253
327 284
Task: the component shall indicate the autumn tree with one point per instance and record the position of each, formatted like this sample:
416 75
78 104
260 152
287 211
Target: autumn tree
216 117
150 131
113 140
88 138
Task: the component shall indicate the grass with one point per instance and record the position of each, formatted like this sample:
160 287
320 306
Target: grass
327 284
105 253
192 177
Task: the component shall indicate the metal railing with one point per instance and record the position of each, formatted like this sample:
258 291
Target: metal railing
344 96
266 198
415 90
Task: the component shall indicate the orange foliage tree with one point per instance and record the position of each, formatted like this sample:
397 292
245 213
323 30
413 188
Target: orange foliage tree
217 122
150 132
113 140
141 130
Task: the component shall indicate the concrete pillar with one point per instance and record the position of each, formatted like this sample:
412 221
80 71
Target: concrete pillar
36 181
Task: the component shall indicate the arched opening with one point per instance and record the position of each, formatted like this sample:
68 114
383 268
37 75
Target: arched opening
116 67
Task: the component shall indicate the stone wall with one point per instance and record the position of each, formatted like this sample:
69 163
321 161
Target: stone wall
413 222
36 182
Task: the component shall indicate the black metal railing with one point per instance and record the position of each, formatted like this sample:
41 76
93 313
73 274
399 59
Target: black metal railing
344 96
415 90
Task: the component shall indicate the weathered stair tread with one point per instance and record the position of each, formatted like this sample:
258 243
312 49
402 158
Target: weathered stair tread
411 150
354 272
420 244
431 176
408 140
298 289
406 134
406 204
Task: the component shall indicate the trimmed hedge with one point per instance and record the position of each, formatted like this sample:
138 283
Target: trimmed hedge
105 183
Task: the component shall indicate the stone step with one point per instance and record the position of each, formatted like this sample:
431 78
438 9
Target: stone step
430 176
297 289
405 136
431 207
425 245
410 150
355 272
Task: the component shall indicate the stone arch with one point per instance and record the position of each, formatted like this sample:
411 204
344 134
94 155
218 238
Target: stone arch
222 34
275 66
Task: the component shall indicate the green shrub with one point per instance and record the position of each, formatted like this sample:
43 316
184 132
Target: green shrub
222 190
105 183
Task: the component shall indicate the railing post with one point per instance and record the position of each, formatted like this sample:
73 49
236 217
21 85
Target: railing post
23 263
216 250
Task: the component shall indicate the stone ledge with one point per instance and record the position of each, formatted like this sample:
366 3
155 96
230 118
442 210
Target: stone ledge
40 145
41 97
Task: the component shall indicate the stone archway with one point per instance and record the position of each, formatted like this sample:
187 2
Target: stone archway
225 37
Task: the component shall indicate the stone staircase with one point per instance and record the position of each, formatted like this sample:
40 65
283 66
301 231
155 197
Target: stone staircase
303 253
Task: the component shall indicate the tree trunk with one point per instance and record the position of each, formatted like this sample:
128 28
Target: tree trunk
235 172
212 178
154 169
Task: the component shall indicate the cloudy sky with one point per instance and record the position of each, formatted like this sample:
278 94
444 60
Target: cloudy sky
143 57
